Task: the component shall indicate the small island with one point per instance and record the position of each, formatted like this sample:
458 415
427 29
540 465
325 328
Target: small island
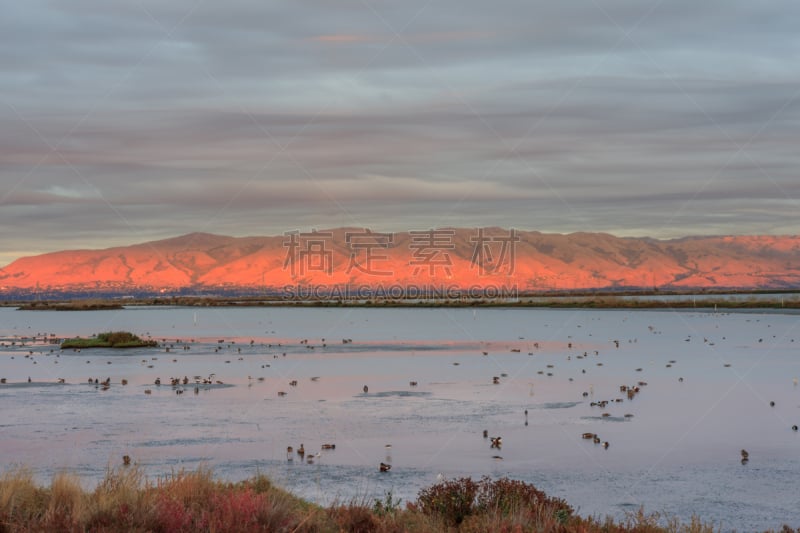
111 339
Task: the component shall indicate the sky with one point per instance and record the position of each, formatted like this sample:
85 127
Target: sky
123 122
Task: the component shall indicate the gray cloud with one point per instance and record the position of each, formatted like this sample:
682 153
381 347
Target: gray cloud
126 122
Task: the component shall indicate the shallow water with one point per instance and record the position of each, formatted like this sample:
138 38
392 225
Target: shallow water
678 453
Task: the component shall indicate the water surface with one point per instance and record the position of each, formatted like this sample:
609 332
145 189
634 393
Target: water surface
678 452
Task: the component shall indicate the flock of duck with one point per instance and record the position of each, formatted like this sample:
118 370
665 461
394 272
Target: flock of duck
496 442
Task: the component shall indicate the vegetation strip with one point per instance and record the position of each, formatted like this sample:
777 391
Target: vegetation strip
194 501
788 300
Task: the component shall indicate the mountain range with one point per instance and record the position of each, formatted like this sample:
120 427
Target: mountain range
462 257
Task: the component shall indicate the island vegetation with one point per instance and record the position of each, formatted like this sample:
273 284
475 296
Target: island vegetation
125 500
110 339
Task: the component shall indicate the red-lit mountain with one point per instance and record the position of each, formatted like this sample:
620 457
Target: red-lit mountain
460 257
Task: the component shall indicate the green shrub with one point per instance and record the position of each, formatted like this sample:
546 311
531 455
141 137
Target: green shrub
451 500
455 500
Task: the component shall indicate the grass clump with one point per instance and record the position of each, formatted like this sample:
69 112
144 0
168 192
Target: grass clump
20 499
110 339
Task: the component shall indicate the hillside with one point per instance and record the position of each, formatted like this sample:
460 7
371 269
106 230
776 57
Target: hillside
452 257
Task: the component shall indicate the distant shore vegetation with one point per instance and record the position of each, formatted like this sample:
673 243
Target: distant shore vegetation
589 300
72 305
125 500
110 339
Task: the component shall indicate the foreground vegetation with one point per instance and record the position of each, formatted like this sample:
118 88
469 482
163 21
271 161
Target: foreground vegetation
194 501
111 339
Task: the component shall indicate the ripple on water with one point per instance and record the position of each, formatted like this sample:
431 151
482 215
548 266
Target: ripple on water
395 394
606 418
32 385
557 405
190 441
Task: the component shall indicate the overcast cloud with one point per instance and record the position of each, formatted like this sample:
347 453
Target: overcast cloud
122 122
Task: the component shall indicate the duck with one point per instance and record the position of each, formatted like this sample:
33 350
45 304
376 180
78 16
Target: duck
385 467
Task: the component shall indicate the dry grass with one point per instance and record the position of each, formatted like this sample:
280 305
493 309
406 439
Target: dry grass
66 507
189 501
20 499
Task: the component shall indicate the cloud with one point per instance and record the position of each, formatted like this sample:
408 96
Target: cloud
342 38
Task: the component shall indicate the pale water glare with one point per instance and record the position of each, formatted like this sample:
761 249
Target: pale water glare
674 447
